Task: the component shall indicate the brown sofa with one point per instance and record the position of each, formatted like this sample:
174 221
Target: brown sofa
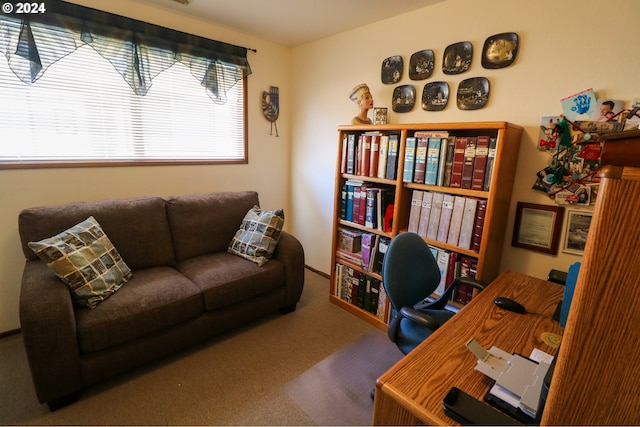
185 287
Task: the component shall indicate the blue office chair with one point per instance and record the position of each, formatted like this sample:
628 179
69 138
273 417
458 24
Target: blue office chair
410 275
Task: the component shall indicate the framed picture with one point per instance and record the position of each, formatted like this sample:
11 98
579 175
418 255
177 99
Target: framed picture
537 227
578 223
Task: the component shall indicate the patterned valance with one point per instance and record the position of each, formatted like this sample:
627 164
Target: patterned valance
138 51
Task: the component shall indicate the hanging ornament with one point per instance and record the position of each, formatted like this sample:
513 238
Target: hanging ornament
271 107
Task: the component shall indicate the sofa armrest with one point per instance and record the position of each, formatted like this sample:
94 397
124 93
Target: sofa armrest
48 326
291 254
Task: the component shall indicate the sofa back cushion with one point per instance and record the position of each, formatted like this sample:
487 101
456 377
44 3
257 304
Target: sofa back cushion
205 223
137 227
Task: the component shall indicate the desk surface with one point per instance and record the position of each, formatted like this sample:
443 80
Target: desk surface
411 392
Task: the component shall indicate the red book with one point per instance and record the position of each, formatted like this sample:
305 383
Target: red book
365 155
374 157
480 163
469 158
479 225
355 213
363 205
458 162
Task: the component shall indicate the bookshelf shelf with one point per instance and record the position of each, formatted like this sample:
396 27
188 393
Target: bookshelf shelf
365 189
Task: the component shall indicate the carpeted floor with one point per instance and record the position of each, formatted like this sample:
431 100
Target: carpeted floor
242 378
337 390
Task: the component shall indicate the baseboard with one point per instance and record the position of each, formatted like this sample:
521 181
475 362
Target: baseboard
325 275
9 333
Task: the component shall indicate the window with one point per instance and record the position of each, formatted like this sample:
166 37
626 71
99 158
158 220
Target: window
76 92
57 119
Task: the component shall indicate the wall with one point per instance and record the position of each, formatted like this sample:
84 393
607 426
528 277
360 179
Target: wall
565 47
268 156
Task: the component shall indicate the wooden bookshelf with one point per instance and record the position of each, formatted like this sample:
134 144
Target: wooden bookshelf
498 198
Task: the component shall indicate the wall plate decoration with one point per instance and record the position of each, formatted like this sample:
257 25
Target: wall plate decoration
404 98
435 96
500 50
392 68
421 64
457 58
473 93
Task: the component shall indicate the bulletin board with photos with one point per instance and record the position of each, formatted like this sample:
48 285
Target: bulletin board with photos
571 176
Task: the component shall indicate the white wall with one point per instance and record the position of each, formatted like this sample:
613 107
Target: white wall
566 46
267 172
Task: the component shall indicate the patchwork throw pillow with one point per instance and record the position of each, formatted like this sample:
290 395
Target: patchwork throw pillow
84 258
258 236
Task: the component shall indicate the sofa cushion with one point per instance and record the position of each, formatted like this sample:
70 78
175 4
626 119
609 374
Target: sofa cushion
84 258
226 279
138 227
258 235
154 299
205 223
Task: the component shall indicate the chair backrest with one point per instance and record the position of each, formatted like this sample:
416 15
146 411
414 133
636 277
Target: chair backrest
410 272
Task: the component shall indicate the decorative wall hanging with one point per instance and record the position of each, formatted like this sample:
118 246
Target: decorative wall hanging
421 64
404 98
457 58
473 93
578 224
500 50
271 107
435 96
392 69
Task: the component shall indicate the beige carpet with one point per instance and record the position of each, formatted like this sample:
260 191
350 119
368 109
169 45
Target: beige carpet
236 379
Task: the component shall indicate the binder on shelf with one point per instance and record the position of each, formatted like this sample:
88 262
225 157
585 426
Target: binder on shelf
456 220
392 157
480 163
422 147
469 159
468 220
425 212
414 210
409 159
443 264
433 159
458 162
445 217
434 216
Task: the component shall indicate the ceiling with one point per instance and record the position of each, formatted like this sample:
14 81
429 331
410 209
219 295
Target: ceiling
292 22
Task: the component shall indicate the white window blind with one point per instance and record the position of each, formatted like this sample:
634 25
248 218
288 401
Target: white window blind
63 119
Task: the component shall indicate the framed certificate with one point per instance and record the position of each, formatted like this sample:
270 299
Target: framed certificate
538 227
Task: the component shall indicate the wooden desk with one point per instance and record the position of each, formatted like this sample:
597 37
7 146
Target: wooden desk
411 392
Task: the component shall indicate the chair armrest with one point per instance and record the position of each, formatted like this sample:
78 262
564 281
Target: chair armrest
291 254
441 302
422 319
48 326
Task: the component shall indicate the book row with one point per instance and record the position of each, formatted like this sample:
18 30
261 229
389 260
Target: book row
366 250
361 290
453 265
371 154
437 158
367 205
452 219
431 158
